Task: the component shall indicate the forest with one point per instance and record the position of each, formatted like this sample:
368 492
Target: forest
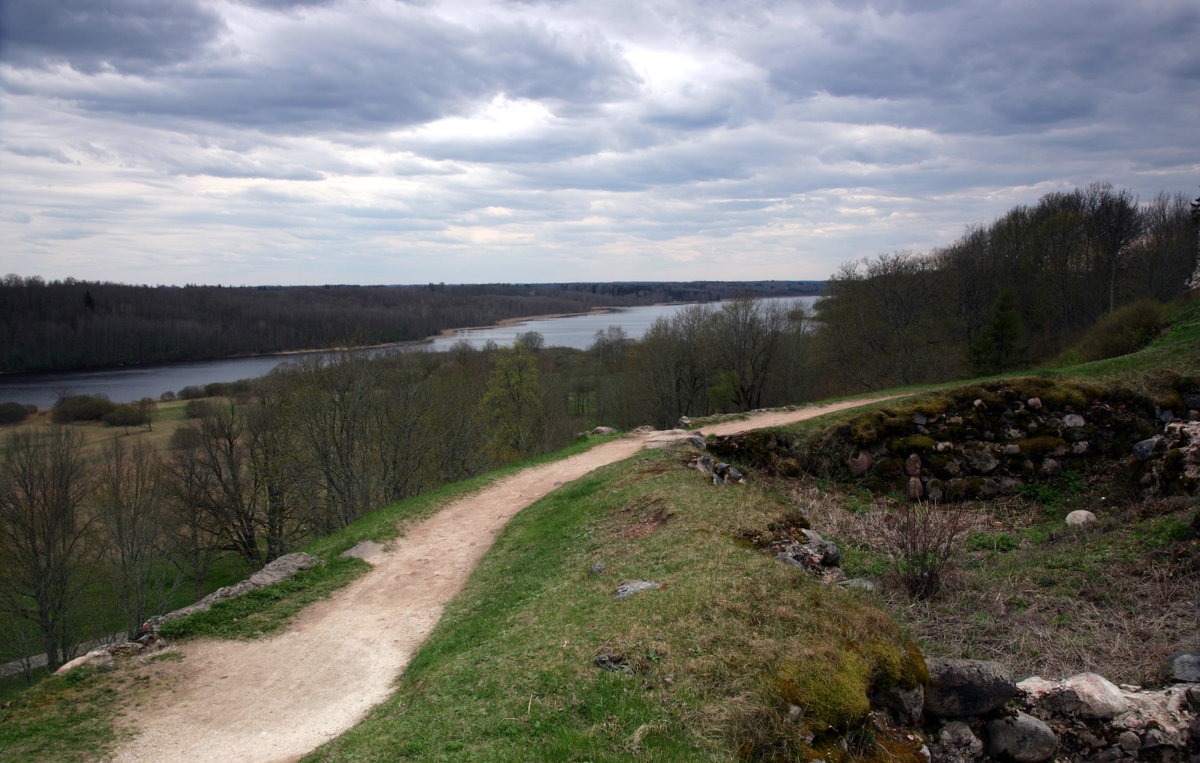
113 531
69 324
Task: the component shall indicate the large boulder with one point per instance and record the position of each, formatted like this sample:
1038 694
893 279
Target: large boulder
967 687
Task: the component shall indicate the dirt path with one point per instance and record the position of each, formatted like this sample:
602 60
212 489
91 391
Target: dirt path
277 699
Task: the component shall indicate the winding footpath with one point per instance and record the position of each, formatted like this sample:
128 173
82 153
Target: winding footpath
279 698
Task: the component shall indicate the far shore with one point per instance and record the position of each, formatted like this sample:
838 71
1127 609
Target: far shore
516 321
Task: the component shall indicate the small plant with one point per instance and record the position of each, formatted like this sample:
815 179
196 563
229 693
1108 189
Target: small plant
999 542
924 542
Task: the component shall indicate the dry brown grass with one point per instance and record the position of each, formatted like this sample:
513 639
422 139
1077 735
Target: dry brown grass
1115 598
168 417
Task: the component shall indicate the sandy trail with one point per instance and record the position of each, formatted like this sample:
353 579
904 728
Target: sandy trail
277 699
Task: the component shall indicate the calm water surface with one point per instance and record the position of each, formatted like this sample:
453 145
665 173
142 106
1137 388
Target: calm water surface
128 384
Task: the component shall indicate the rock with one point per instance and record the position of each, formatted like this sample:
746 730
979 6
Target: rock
1129 742
829 552
860 464
1079 448
95 657
1144 450
859 583
906 703
1021 738
703 464
665 438
598 568
920 419
1050 467
980 458
602 430
697 442
637 586
1034 403
1098 697
1185 667
283 568
915 490
967 687
956 743
912 465
278 570
613 662
1073 420
683 423
1080 517
365 550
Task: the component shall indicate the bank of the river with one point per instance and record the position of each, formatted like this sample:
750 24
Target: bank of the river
130 383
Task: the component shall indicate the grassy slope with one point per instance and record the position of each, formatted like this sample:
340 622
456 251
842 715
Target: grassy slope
511 667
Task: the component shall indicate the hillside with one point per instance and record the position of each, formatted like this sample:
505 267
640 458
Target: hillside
738 655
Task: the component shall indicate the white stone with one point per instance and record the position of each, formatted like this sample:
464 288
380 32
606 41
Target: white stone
1098 697
1080 517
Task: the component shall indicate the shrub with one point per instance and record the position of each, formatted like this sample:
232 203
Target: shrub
12 413
1126 329
924 544
126 416
196 409
81 408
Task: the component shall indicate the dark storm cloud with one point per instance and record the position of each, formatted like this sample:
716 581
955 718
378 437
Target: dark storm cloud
477 137
1015 64
90 35
371 70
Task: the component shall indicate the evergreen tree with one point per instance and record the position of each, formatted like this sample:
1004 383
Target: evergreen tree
997 347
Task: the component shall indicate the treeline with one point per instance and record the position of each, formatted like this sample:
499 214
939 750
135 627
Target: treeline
66 325
1006 295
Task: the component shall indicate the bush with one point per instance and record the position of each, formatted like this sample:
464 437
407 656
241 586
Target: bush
126 416
196 409
81 408
924 545
12 413
167 396
1126 329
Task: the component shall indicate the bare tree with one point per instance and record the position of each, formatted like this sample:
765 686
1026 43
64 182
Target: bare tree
43 534
136 521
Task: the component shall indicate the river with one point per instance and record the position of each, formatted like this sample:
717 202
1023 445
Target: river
124 385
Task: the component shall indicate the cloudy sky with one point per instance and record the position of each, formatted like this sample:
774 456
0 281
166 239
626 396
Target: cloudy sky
380 141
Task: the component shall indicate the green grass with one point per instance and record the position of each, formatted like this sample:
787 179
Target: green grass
714 658
63 718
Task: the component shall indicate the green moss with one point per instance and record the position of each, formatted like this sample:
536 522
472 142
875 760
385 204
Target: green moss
831 689
889 467
917 443
1039 447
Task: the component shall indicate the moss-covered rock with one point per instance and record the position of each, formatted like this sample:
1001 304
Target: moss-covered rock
917 443
1039 447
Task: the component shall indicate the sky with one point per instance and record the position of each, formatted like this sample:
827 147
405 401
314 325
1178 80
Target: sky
248 142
